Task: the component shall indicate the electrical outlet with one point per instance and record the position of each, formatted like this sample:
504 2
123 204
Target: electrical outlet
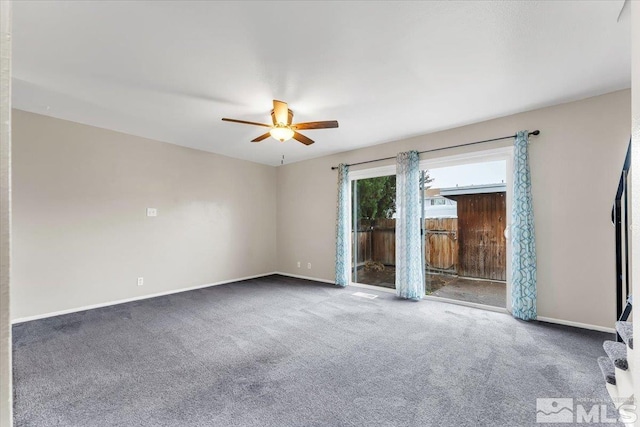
140 281
152 212
309 265
298 264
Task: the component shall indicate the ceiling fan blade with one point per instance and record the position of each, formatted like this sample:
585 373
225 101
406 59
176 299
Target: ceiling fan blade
245 122
316 125
289 117
261 137
300 137
280 111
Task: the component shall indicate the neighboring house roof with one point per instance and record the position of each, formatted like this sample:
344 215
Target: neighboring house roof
441 211
474 189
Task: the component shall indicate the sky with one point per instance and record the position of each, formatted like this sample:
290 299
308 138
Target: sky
471 174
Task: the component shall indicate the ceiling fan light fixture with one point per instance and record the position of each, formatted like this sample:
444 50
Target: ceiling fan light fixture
282 133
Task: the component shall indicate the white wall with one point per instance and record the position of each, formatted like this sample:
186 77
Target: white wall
575 163
6 391
81 235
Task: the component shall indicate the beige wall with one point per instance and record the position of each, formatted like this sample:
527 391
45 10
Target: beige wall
635 184
6 390
575 165
81 235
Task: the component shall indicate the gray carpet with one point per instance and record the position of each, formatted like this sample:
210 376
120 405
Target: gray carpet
286 352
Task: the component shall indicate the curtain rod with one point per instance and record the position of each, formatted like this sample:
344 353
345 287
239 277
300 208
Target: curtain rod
535 132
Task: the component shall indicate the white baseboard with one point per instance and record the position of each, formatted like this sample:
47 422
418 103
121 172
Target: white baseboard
138 298
298 276
576 324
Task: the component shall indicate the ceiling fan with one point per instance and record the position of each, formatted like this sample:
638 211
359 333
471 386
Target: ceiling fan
282 129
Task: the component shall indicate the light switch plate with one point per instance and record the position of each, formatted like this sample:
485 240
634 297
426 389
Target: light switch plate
152 212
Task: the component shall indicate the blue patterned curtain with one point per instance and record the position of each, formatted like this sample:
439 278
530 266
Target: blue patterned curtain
342 227
409 274
523 239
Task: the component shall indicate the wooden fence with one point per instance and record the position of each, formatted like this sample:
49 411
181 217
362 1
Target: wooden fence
472 245
441 245
483 247
377 242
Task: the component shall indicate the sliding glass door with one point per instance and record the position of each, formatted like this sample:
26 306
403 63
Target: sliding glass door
465 252
464 222
373 231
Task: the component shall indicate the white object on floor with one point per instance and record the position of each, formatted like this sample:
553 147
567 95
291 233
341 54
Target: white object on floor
364 295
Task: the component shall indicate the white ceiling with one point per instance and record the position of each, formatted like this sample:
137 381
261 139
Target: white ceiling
385 70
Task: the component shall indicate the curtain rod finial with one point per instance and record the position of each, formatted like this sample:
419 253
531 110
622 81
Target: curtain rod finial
535 132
